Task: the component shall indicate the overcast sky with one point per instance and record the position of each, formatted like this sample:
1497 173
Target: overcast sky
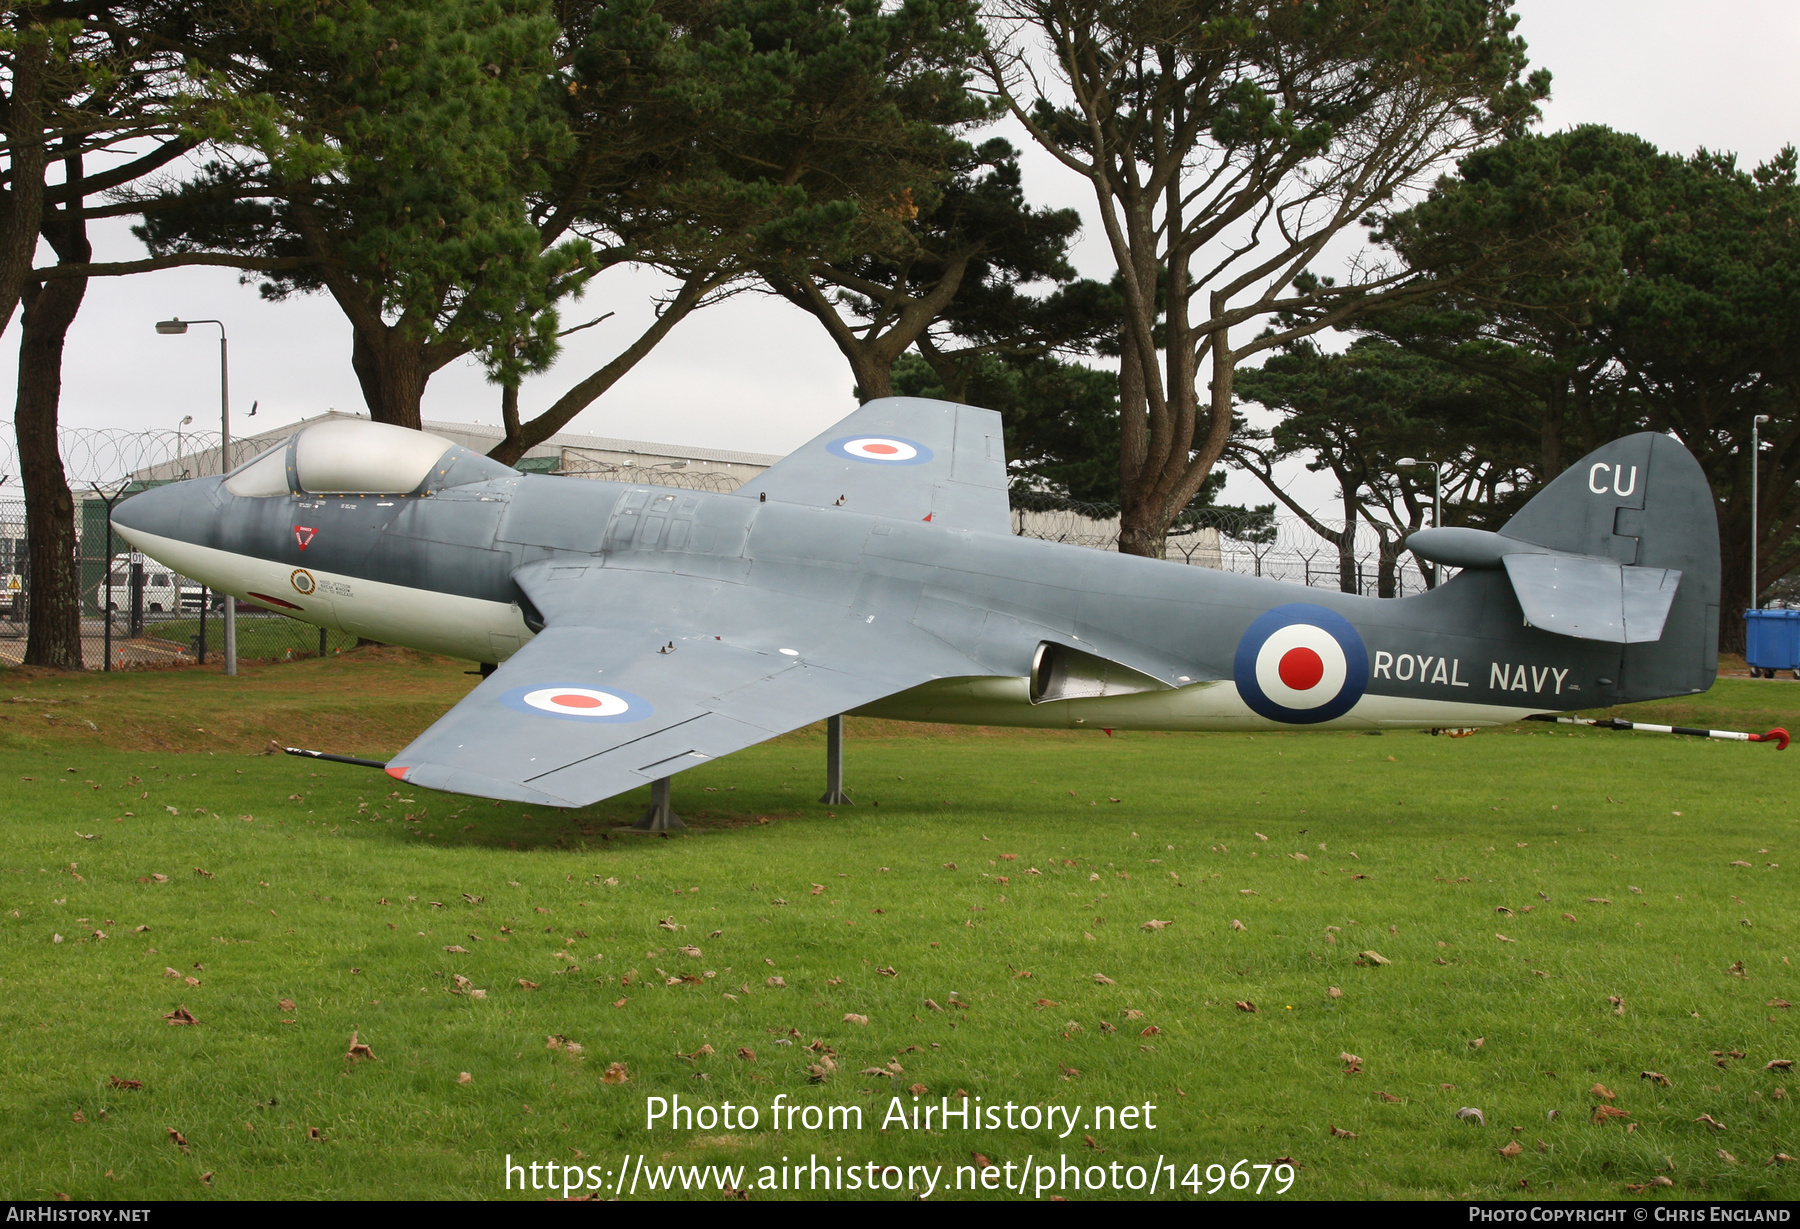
754 373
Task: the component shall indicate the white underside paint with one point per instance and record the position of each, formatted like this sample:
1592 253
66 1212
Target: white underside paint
444 623
1199 706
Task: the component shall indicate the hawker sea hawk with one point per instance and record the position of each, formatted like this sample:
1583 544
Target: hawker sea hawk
629 632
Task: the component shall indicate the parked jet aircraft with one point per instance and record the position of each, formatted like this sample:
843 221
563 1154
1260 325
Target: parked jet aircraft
630 632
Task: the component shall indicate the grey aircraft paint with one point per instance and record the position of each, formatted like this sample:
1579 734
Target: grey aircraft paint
640 630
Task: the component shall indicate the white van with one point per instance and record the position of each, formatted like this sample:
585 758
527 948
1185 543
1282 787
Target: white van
164 591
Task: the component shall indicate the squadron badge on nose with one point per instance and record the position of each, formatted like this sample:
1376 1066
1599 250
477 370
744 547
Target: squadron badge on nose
1301 664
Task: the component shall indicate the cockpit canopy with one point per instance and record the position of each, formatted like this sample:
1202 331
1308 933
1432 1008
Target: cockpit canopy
352 456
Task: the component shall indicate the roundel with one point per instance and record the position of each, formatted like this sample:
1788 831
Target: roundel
302 581
881 449
578 703
1301 664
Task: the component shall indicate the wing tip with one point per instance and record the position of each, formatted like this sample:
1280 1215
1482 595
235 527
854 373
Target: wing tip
396 771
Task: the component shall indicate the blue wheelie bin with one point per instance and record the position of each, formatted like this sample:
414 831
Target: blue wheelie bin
1772 642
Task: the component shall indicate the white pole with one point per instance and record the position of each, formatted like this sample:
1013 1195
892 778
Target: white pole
225 468
1755 503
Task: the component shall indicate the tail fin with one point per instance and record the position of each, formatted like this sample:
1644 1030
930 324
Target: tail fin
1644 502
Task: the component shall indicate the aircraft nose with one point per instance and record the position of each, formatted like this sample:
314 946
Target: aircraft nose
172 511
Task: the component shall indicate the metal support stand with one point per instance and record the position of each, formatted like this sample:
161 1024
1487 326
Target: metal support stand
205 597
834 764
661 816
322 644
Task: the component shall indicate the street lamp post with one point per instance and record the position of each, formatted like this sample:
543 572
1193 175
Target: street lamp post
1437 496
176 326
1755 505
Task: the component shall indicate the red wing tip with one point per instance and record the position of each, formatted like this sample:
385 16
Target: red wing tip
395 771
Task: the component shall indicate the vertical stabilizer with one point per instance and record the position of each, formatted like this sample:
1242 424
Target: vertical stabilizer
1643 502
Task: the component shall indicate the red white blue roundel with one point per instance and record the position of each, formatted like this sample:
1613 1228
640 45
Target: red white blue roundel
575 703
881 449
1301 664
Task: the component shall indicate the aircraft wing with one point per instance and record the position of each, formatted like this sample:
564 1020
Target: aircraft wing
901 457
640 675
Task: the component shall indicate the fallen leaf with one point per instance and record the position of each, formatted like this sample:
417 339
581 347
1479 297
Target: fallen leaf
615 1073
181 1015
1152 1031
1469 1113
1778 1064
458 949
1618 1004
1155 924
127 1085
1246 1005
1604 1113
1601 1090
1333 992
358 1049
1101 979
1503 938
1389 1097
1728 1158
287 1005
1478 1042
981 1162
527 985
177 1138
1511 1150
851 1017
1373 957
1655 1077
1710 1121
777 982
1338 1133
747 1054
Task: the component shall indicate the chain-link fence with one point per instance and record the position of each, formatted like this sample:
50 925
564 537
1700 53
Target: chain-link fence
135 613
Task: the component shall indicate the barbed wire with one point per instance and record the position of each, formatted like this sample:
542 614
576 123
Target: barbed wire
109 456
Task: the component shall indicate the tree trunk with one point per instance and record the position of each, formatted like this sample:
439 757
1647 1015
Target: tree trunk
54 635
1347 577
1387 576
23 203
874 376
392 372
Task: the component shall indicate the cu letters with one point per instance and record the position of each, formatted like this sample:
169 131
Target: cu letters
1599 486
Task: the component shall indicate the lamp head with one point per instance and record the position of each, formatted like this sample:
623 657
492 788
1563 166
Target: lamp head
1407 461
176 325
1761 418
185 421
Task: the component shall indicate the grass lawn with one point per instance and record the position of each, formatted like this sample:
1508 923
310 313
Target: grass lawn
1552 912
